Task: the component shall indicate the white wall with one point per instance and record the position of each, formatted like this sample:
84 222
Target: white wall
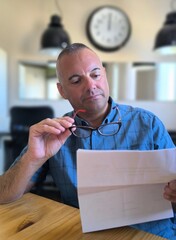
3 102
3 90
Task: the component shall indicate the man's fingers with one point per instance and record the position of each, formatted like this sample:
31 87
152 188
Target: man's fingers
170 191
52 126
172 185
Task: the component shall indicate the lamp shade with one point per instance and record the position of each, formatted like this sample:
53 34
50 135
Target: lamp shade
54 38
165 42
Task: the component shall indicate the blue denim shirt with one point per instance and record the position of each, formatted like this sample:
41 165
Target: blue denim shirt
140 130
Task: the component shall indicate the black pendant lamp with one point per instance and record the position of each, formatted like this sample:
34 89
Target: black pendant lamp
54 38
165 42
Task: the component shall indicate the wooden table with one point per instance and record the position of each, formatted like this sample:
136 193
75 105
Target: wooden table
33 217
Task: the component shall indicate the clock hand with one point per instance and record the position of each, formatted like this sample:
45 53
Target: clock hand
109 21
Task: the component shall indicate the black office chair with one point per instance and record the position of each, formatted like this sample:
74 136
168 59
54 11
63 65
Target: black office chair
22 117
173 136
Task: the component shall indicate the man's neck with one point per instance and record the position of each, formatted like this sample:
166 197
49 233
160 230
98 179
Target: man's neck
96 120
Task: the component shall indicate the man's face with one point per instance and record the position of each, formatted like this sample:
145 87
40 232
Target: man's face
83 81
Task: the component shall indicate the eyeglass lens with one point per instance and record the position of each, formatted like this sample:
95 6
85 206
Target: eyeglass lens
105 130
82 132
109 129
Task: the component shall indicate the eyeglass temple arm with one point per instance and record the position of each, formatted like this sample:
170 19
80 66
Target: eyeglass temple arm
79 110
116 107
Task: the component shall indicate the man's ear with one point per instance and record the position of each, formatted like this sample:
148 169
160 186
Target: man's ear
61 91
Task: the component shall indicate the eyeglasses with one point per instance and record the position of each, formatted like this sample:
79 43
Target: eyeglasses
108 129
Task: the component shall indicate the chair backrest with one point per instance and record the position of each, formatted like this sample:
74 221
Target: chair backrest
22 117
173 136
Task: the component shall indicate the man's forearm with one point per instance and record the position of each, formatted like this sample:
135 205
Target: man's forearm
16 180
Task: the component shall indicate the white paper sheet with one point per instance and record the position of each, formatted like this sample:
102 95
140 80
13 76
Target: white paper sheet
117 188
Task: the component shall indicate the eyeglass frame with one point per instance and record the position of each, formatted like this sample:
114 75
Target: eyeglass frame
91 129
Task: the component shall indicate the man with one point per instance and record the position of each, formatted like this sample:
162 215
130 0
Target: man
97 122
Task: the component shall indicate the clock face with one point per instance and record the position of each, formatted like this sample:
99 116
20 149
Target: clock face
108 28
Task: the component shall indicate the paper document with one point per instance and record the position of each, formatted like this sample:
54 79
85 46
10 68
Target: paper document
118 188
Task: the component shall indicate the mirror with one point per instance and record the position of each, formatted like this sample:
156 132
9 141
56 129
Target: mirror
37 81
127 81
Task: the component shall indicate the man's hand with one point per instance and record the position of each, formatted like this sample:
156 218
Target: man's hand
47 137
170 191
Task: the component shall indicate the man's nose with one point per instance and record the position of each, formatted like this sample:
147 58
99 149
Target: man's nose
89 82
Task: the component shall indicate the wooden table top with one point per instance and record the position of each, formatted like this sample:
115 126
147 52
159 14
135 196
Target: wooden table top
33 217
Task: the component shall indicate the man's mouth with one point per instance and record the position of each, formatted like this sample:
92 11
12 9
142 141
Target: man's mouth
93 97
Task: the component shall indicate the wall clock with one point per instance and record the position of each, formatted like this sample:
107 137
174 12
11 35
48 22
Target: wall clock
108 28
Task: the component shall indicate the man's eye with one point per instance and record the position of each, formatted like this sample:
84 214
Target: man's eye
75 80
96 75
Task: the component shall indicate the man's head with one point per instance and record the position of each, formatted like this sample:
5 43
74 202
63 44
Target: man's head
82 79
